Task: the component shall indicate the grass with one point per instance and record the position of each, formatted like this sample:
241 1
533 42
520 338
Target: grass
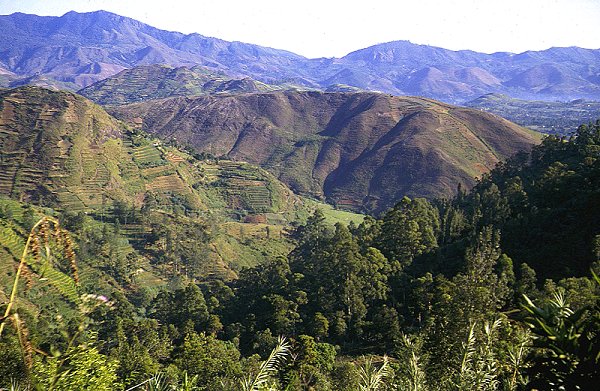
149 281
334 216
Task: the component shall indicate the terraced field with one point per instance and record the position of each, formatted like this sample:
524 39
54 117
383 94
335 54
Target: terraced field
148 156
166 183
243 185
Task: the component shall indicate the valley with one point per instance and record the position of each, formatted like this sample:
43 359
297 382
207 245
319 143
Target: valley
561 118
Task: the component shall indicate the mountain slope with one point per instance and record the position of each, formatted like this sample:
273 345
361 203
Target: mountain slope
360 150
60 150
80 49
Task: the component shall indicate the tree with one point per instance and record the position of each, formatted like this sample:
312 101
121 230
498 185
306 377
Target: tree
341 281
312 363
182 306
473 296
408 230
208 358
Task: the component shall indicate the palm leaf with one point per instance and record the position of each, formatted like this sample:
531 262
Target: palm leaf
269 367
372 378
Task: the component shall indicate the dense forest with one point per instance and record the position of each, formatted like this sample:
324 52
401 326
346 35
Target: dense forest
495 289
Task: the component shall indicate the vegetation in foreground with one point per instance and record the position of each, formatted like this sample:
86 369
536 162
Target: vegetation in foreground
496 289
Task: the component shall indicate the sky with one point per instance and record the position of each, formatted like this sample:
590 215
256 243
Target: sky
332 28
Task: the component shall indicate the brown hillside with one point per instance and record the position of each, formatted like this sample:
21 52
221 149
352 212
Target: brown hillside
362 150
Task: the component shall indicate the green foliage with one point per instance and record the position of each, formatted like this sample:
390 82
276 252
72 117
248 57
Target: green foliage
140 346
312 362
478 369
13 364
567 350
44 244
340 278
181 307
373 378
433 285
546 204
411 372
79 368
208 358
408 230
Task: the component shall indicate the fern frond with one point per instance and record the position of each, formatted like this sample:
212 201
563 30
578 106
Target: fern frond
62 282
12 241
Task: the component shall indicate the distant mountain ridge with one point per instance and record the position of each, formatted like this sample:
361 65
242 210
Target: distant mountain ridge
77 50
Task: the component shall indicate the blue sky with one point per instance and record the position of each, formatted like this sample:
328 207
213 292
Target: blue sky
327 28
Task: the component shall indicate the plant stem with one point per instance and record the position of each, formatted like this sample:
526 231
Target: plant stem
22 263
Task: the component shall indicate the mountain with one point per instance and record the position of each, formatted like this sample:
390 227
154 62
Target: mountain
362 151
80 49
561 118
60 150
88 47
565 73
162 81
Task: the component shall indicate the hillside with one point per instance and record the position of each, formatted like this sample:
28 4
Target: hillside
60 150
161 81
362 151
77 50
561 118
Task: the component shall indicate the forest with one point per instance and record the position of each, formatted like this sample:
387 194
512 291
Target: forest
494 289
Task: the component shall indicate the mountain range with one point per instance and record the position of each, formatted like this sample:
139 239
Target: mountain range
78 49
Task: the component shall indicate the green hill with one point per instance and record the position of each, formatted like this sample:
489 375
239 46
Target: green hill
62 151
